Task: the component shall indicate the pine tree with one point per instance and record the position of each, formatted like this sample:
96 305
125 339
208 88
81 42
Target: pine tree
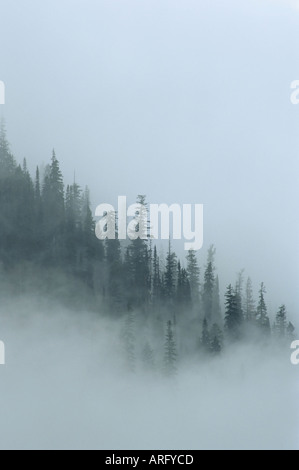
54 214
281 322
249 302
261 312
7 161
290 331
170 356
193 272
183 289
209 285
233 317
115 273
170 275
239 294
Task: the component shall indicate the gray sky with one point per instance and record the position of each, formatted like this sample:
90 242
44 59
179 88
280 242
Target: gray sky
185 101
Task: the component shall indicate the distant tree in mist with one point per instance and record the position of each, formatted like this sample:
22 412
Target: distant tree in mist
290 331
156 281
262 312
170 352
183 296
280 326
209 286
137 262
170 276
233 314
193 272
216 339
129 342
249 303
205 336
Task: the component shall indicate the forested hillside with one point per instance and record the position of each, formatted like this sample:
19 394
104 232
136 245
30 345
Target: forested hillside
48 245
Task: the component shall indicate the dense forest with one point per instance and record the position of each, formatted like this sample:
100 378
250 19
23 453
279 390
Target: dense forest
169 309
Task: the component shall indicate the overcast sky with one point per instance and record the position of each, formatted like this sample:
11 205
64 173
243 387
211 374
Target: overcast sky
187 101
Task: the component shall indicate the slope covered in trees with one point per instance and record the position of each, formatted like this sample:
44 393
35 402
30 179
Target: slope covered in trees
47 233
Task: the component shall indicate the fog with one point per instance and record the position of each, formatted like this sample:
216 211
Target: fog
188 102
64 387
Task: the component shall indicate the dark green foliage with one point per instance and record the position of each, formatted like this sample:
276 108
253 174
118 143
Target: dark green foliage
249 303
216 339
183 289
170 276
205 338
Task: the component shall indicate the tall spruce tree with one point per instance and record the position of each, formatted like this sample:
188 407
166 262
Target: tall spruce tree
209 285
262 312
233 317
281 322
170 352
193 272
249 302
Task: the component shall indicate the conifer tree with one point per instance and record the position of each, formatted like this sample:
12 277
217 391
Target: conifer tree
170 355
262 313
281 322
209 285
233 317
193 272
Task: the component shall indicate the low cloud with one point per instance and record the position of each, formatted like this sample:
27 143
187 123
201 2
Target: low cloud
64 388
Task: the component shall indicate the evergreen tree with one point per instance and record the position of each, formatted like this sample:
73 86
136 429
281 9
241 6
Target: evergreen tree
239 294
137 263
193 272
281 322
249 302
290 331
261 312
114 266
7 161
170 356
209 285
54 214
170 275
216 307
205 338
183 288
233 317
156 284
